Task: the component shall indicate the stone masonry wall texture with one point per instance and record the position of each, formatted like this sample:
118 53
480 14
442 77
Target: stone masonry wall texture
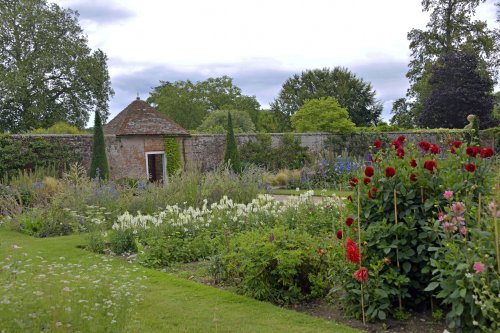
126 154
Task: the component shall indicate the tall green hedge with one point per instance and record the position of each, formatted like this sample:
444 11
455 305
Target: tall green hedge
29 153
231 154
99 160
173 154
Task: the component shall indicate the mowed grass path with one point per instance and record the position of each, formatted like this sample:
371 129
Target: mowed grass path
156 301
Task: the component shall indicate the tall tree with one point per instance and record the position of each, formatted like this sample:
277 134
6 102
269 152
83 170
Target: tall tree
403 116
47 71
322 115
99 164
450 28
458 90
351 92
231 155
216 122
189 103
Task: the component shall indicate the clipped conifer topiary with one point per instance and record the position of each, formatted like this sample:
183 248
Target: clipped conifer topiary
231 154
99 165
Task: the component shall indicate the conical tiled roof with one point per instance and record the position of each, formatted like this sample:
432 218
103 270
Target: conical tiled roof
140 118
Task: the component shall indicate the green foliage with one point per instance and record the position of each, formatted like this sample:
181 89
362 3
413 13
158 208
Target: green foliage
418 235
58 128
48 72
217 121
351 92
290 154
31 153
278 265
99 164
457 89
403 116
471 296
231 154
451 28
189 103
173 153
322 115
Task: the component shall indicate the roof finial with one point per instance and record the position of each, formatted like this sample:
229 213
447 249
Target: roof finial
137 98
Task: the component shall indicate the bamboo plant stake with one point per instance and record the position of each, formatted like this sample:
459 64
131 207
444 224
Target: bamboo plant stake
359 242
479 212
495 223
397 248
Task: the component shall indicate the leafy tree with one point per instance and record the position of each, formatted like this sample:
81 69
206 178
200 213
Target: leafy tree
322 115
216 122
189 103
99 160
449 29
403 116
458 90
351 92
231 154
47 71
58 128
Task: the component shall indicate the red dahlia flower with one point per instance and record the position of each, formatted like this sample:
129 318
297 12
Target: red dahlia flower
413 163
400 152
434 149
340 234
349 221
452 150
424 145
471 167
397 144
456 144
369 171
367 180
361 275
353 182
372 193
413 177
430 165
377 144
401 138
486 152
473 151
390 172
349 197
352 251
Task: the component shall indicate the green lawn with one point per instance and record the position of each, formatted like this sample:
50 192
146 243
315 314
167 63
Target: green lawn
341 194
51 285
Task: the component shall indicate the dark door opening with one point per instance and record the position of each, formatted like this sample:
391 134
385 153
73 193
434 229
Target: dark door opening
156 167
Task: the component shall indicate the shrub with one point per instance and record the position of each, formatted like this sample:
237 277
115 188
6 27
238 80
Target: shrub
231 154
280 265
290 154
60 127
419 175
99 164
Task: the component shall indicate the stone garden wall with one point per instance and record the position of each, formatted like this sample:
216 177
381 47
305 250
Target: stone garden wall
126 155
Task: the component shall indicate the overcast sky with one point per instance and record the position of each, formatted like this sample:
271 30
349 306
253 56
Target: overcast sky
258 43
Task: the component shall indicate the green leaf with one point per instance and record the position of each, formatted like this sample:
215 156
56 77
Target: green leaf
463 292
459 309
381 315
406 267
432 286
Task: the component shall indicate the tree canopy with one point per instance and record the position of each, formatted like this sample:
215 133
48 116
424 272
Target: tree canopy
217 122
403 116
189 103
351 92
451 28
322 115
47 72
458 90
